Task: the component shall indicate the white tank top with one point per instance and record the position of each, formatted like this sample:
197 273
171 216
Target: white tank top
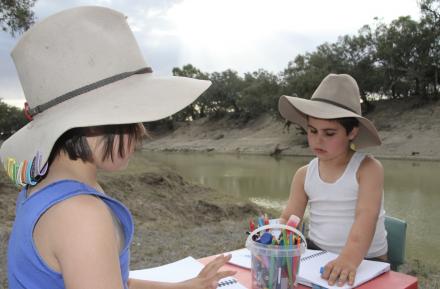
333 207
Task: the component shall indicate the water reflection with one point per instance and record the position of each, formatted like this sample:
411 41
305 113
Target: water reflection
411 188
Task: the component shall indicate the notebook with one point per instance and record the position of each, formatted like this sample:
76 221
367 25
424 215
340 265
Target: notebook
241 258
312 261
181 270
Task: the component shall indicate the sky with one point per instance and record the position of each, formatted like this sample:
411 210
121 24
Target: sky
215 35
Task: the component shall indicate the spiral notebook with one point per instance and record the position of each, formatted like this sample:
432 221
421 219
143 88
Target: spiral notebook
313 260
181 270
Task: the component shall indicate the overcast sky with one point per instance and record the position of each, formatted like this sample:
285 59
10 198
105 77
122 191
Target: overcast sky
215 35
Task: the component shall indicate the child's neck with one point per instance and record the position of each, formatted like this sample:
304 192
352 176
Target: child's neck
331 170
339 160
63 168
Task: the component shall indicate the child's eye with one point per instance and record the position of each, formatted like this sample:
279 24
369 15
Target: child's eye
330 134
313 131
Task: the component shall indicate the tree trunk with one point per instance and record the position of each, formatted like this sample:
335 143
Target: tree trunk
366 105
436 95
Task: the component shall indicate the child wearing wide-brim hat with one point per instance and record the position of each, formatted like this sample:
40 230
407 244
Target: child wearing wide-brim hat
343 187
88 90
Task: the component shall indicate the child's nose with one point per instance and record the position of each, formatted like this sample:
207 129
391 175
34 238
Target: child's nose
320 139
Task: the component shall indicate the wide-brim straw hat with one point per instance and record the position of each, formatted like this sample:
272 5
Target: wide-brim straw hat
82 67
337 96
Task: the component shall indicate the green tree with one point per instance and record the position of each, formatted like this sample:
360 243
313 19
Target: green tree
226 92
430 27
198 108
357 56
16 15
11 119
260 93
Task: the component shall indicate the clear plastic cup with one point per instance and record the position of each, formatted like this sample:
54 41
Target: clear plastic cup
275 266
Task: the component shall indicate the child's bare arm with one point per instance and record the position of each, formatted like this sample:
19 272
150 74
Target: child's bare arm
343 269
297 202
85 243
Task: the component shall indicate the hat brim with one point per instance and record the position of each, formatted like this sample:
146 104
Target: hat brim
139 98
297 109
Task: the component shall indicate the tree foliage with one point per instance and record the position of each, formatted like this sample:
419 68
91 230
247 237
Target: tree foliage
11 120
397 60
16 16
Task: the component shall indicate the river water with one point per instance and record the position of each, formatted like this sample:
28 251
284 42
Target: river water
411 188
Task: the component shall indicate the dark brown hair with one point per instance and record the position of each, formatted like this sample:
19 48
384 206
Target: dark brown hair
74 142
348 123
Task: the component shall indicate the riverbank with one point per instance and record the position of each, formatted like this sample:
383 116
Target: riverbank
407 130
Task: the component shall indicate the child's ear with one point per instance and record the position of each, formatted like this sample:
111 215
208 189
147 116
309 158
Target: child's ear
353 134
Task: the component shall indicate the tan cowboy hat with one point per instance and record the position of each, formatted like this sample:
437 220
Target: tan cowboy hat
82 67
337 96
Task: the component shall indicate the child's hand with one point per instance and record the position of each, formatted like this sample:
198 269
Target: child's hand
208 278
339 271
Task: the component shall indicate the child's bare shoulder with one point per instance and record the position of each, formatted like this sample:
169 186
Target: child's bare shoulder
81 210
371 161
301 172
370 165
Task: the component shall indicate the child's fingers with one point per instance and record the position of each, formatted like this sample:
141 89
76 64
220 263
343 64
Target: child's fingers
351 277
212 267
334 275
327 270
223 274
343 277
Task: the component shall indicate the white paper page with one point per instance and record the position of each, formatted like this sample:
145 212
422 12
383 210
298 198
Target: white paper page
180 270
310 270
241 258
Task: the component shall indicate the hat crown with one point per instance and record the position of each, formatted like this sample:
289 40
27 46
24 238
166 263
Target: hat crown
341 90
72 49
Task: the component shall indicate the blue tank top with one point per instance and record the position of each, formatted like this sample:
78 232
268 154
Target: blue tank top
26 269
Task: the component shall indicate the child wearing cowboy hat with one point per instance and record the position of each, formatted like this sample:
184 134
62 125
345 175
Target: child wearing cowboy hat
343 187
88 90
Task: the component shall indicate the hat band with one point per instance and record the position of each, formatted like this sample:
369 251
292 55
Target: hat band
334 103
42 107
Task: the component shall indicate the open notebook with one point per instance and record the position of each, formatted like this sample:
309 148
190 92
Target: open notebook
181 270
312 261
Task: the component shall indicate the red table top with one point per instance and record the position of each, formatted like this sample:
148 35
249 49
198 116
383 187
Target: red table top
389 280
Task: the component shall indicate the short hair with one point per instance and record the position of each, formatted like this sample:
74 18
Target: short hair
348 123
74 142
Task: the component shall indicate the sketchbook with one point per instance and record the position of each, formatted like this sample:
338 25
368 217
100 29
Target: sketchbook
312 261
181 270
240 258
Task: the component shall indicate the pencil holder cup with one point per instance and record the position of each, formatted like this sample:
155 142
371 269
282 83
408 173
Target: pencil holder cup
275 261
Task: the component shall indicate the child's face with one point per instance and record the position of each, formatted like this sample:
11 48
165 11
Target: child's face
118 162
328 138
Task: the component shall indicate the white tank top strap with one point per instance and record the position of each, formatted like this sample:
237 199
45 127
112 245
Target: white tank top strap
312 171
354 164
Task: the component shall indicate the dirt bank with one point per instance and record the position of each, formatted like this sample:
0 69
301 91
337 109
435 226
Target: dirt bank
408 131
